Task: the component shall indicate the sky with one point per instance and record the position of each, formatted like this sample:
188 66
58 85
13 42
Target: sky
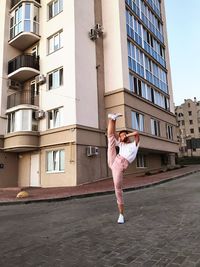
183 28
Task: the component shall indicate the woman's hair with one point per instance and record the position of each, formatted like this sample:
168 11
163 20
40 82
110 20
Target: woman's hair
123 131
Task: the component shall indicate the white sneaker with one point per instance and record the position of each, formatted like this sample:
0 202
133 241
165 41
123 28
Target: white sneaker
114 116
121 218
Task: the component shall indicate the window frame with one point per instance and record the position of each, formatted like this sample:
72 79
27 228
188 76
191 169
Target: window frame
56 161
53 13
52 39
139 119
156 130
141 161
52 78
55 118
169 132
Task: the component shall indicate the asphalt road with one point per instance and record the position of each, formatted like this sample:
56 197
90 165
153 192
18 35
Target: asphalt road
162 229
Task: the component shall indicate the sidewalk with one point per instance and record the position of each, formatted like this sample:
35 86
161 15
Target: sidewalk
8 195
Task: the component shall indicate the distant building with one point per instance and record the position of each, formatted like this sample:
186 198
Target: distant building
66 64
188 127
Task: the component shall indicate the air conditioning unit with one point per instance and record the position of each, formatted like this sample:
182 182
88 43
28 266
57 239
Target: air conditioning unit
39 114
14 84
40 79
92 151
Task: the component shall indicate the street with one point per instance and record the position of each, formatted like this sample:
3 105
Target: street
162 229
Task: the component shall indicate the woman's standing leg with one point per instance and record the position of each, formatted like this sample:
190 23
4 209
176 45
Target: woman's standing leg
118 168
117 176
118 184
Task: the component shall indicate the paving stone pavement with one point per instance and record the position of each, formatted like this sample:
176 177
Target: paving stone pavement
162 229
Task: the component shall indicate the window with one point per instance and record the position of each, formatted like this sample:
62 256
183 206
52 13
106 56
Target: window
155 127
191 121
55 79
24 18
199 129
54 8
55 118
191 130
34 90
190 113
169 132
188 105
55 42
134 28
150 20
11 122
159 99
183 123
155 75
135 59
141 161
55 161
137 121
21 120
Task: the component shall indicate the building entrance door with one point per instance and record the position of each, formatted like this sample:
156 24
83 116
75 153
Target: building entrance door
35 175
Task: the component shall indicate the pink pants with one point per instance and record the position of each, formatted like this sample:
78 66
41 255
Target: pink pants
117 164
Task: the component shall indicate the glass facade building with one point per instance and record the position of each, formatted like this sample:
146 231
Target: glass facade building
146 51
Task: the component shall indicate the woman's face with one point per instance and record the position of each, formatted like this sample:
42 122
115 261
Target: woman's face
123 138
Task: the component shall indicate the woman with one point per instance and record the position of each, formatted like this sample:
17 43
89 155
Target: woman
119 162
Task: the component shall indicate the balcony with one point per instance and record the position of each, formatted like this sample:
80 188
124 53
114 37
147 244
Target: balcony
24 24
22 129
23 67
22 98
21 141
15 2
1 141
25 39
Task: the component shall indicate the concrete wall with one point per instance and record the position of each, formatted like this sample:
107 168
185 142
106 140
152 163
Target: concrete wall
85 64
153 162
24 172
115 45
9 172
95 167
66 178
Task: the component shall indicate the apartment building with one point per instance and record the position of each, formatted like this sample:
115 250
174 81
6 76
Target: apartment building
64 66
188 128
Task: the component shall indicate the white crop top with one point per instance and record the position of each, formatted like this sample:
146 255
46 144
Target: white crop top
128 150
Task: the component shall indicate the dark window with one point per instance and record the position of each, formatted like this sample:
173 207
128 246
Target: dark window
191 121
191 130
189 113
139 88
50 80
135 84
152 95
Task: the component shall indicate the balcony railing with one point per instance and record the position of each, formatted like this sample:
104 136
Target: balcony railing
21 98
25 60
15 2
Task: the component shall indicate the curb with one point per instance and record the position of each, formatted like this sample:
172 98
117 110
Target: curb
101 193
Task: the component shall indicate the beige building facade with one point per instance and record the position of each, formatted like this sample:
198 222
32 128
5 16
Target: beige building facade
64 66
188 127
